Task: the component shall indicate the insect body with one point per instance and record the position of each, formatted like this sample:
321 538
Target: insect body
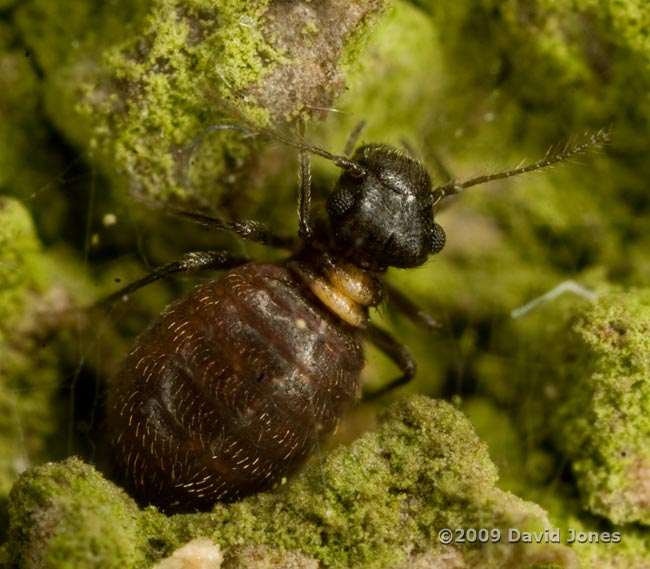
235 385
258 372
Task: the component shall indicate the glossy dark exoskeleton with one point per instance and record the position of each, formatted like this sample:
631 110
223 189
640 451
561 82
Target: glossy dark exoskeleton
235 385
385 217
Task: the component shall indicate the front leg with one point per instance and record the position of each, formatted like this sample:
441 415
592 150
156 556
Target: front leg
397 353
249 229
189 262
410 309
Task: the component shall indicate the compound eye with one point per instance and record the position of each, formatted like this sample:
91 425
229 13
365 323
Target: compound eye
339 202
437 238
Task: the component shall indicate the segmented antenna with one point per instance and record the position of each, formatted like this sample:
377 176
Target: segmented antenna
451 188
552 157
338 160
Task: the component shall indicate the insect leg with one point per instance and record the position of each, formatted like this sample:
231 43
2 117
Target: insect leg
304 188
410 309
246 228
353 138
189 262
396 352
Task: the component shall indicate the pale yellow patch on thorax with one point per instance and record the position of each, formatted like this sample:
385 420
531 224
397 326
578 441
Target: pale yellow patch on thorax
345 289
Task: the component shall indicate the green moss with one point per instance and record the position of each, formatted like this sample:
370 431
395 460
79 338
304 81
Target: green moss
591 50
367 505
146 80
358 498
83 520
396 79
19 250
35 344
581 404
632 550
604 424
532 472
25 161
20 279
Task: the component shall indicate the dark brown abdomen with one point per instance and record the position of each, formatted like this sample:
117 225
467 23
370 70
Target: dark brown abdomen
231 389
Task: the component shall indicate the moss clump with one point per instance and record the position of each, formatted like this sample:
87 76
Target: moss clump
35 347
577 398
145 79
26 379
19 263
66 515
389 493
580 62
604 420
374 504
531 470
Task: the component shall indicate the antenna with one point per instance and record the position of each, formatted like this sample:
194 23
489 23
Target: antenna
338 160
552 157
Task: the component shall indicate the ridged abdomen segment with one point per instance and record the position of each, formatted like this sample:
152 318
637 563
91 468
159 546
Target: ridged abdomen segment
231 389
